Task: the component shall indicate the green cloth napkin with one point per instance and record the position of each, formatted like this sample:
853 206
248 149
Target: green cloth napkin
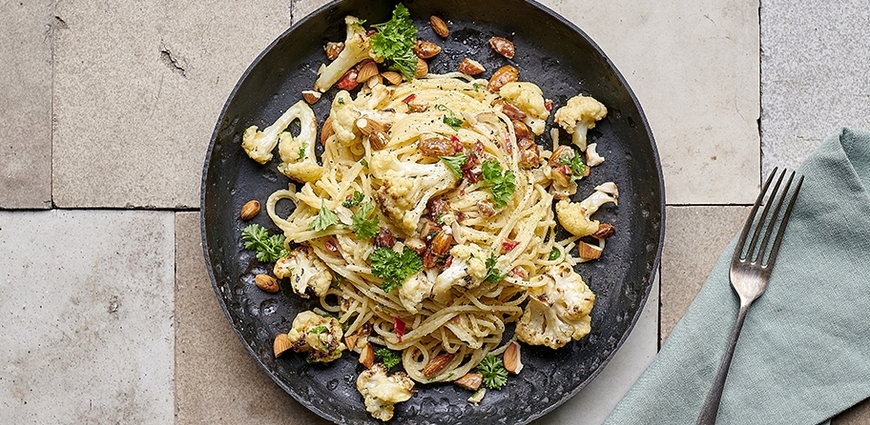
804 353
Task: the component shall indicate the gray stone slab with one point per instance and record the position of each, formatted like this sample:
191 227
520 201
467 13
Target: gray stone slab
86 317
25 103
217 381
694 67
695 237
814 77
137 92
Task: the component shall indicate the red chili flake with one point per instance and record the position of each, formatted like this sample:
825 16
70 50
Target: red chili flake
448 261
548 104
507 245
399 327
330 246
348 80
457 144
410 98
519 272
460 216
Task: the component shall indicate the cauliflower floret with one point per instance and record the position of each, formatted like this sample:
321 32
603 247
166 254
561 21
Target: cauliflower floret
592 157
381 391
413 290
343 117
316 335
305 271
473 257
297 153
406 187
259 144
530 99
455 274
575 217
578 116
357 47
558 311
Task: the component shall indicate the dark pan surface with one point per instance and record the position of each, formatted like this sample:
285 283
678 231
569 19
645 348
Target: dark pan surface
550 52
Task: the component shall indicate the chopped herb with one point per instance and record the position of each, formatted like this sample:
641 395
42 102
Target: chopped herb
354 200
317 330
493 371
363 226
578 168
302 150
493 275
501 184
476 86
395 41
450 119
394 267
323 219
269 248
341 101
455 163
364 162
555 254
388 357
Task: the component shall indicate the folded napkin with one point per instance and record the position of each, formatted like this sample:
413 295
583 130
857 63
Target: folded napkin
804 353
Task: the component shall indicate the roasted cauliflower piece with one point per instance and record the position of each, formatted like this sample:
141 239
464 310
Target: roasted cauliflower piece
557 311
259 144
343 117
576 217
414 290
357 47
318 336
381 391
298 160
578 116
530 99
406 187
306 272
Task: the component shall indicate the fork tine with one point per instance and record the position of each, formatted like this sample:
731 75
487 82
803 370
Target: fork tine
773 218
778 240
738 250
750 253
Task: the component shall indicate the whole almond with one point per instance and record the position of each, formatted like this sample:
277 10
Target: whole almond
502 76
426 49
437 364
440 244
471 67
250 210
439 26
281 345
604 231
311 96
333 49
266 283
392 77
367 69
470 381
503 46
326 130
422 69
512 361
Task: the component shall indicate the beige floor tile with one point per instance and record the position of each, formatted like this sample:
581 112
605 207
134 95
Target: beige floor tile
25 103
217 381
695 237
694 67
137 92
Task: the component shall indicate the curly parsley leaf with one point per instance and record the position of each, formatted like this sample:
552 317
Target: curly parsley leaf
455 163
501 184
578 168
388 357
395 41
394 267
317 330
363 226
493 275
354 200
323 219
494 374
269 248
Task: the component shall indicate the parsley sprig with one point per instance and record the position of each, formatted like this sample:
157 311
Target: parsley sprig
363 226
395 41
269 248
394 267
578 168
493 275
455 163
388 357
450 117
501 184
323 219
494 374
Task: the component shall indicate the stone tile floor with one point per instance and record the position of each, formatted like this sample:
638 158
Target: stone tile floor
107 314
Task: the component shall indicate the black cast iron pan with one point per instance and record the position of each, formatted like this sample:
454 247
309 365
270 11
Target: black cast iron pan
551 52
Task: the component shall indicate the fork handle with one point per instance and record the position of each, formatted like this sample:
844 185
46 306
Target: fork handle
711 405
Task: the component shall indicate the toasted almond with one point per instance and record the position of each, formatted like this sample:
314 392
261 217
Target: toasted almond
311 96
503 46
367 69
326 130
470 381
512 361
250 210
471 67
588 251
439 26
373 81
422 68
604 231
350 340
392 77
332 49
440 244
437 364
505 74
376 132
426 49
266 283
367 356
281 345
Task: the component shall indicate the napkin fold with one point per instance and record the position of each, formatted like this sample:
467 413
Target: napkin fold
804 353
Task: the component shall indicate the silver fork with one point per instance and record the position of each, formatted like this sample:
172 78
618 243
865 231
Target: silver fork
751 266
